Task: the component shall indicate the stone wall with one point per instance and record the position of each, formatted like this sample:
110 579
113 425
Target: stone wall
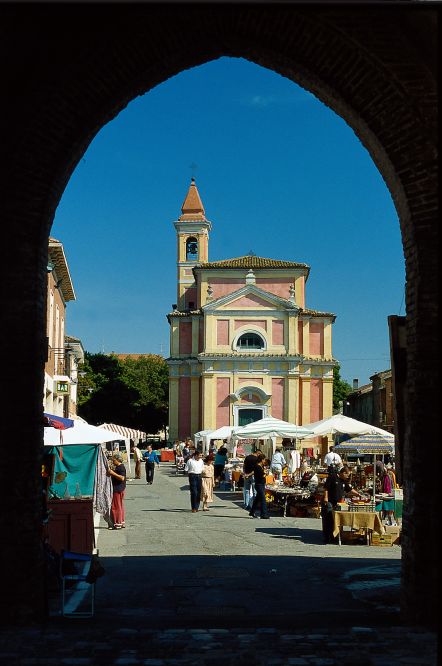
68 70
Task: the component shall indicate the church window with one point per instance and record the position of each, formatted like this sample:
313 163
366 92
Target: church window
250 341
191 249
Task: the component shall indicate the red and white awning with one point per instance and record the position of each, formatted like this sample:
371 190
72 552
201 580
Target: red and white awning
127 433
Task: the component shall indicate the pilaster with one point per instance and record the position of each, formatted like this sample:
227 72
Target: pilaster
173 407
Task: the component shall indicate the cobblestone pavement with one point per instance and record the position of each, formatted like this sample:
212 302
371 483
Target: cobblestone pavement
217 588
88 644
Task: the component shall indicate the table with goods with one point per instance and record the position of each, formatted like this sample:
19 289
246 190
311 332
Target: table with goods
360 516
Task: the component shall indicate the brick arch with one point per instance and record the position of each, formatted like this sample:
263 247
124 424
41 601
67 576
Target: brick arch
373 66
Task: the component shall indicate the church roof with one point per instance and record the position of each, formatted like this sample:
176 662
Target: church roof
251 261
192 208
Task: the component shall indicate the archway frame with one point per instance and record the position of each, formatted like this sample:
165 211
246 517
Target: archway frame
373 66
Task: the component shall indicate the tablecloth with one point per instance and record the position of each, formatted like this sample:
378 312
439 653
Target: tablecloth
357 520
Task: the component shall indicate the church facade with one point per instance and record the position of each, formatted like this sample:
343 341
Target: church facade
243 344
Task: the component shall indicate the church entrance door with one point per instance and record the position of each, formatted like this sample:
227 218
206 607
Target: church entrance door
246 416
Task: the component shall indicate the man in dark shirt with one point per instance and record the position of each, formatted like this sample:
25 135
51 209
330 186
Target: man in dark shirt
249 480
259 500
336 487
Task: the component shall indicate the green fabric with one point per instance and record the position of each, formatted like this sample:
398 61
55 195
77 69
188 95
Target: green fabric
73 464
398 504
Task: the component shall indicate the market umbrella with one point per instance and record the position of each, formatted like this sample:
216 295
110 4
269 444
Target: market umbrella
342 425
369 444
59 422
270 428
373 444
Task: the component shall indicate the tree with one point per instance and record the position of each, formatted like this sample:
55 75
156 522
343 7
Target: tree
149 375
130 392
341 389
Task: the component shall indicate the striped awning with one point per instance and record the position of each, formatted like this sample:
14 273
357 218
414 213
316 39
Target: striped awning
366 444
127 433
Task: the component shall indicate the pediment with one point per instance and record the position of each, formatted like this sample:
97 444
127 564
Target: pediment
248 301
250 297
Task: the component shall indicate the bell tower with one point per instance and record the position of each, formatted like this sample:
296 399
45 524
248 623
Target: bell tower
192 229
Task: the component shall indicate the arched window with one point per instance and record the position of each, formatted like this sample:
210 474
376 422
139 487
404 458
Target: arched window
192 249
250 341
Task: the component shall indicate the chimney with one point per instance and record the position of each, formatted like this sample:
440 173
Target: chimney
355 384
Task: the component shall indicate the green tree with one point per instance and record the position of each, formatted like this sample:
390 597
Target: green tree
149 375
130 392
341 388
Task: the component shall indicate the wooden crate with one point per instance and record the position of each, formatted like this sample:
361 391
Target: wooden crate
382 539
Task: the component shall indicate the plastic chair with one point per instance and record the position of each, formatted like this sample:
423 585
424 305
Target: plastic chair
77 594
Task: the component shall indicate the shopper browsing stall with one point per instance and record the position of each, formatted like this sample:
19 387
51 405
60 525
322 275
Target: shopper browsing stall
336 487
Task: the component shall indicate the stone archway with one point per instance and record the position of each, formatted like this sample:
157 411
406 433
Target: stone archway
68 70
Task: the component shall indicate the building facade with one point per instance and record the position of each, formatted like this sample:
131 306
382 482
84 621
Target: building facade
373 403
64 353
243 344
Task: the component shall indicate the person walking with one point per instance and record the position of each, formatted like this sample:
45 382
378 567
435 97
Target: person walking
118 477
194 468
185 452
137 460
220 463
249 479
259 501
207 482
151 459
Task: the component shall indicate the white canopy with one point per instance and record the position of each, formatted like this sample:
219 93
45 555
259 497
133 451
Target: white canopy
124 431
342 425
201 436
270 428
224 432
80 433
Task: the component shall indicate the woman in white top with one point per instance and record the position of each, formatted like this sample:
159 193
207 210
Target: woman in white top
207 482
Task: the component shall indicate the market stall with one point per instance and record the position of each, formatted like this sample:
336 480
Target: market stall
222 433
368 521
282 495
75 485
123 433
338 424
374 445
340 427
270 429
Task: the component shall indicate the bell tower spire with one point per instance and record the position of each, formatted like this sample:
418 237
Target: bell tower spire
192 229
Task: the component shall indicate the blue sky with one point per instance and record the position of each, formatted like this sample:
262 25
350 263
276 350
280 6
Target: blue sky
279 174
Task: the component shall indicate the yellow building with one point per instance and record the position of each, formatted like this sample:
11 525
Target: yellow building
243 345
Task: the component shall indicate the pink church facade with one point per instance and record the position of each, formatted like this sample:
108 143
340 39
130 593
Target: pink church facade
243 344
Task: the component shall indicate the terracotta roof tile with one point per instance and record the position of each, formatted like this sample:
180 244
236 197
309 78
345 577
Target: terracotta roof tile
251 261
